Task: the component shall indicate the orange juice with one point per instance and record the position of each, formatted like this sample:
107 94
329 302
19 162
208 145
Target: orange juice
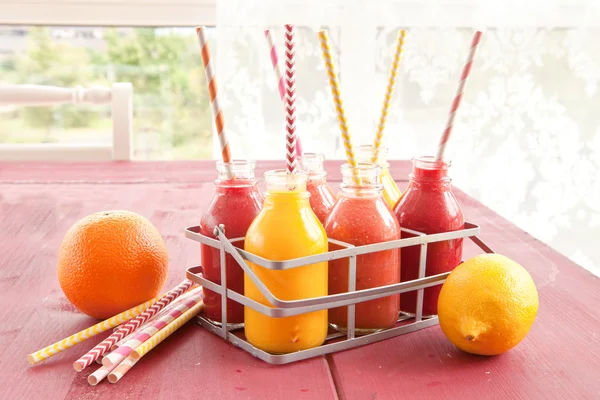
285 229
391 192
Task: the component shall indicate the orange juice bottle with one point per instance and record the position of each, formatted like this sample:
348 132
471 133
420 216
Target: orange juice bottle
391 192
285 229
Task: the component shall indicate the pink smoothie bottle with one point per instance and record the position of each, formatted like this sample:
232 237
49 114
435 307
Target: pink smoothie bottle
235 204
321 196
429 206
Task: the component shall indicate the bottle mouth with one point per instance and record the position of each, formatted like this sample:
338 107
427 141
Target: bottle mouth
429 162
365 153
280 181
236 172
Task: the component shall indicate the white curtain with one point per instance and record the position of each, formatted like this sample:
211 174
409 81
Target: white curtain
527 137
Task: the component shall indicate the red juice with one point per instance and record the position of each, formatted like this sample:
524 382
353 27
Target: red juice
429 206
321 196
360 217
235 205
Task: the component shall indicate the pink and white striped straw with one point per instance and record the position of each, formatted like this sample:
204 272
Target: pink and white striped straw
141 336
278 68
161 313
457 99
132 325
290 98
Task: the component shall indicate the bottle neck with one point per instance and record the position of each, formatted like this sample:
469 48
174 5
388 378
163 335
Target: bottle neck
361 181
312 164
235 173
285 188
428 173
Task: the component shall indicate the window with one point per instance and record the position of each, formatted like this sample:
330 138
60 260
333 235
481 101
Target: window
171 111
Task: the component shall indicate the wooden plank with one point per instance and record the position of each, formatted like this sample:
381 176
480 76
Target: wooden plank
147 172
35 313
559 359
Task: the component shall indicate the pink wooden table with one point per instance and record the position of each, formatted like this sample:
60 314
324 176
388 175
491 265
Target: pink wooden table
560 358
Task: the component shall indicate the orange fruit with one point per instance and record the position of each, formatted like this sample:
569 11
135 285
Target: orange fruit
487 305
111 261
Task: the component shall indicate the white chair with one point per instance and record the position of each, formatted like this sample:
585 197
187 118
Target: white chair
120 96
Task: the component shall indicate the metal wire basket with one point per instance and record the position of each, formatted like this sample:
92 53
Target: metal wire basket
336 341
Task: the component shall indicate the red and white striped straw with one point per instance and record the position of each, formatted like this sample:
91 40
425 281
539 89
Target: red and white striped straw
457 99
278 68
131 326
213 90
290 98
142 335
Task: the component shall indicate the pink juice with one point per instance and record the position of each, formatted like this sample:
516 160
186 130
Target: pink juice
236 203
429 206
321 196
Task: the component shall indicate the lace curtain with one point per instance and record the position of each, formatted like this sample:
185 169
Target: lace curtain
527 137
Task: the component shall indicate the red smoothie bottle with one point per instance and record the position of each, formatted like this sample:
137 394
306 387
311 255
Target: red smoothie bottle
235 204
360 217
429 206
321 196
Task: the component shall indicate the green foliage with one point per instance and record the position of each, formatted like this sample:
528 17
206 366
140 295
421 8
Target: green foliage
170 96
53 62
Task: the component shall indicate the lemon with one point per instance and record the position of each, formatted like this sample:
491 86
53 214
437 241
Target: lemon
487 305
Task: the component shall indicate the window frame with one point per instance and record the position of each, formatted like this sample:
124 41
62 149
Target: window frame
109 12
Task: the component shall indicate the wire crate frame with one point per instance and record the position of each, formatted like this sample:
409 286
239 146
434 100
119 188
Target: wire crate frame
282 308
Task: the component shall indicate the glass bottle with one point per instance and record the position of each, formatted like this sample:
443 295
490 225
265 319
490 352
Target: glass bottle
235 204
285 229
429 206
321 196
391 192
361 217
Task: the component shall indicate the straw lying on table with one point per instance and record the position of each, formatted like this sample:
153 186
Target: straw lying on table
141 336
106 344
290 98
388 94
164 311
278 69
458 97
85 334
217 112
151 343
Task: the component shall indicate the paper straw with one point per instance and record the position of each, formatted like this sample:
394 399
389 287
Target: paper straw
389 92
141 336
290 98
278 68
98 375
120 371
213 90
164 311
151 343
458 97
334 84
132 325
85 334
155 340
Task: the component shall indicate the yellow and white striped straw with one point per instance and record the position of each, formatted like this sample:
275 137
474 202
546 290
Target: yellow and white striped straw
388 94
152 342
334 84
85 334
